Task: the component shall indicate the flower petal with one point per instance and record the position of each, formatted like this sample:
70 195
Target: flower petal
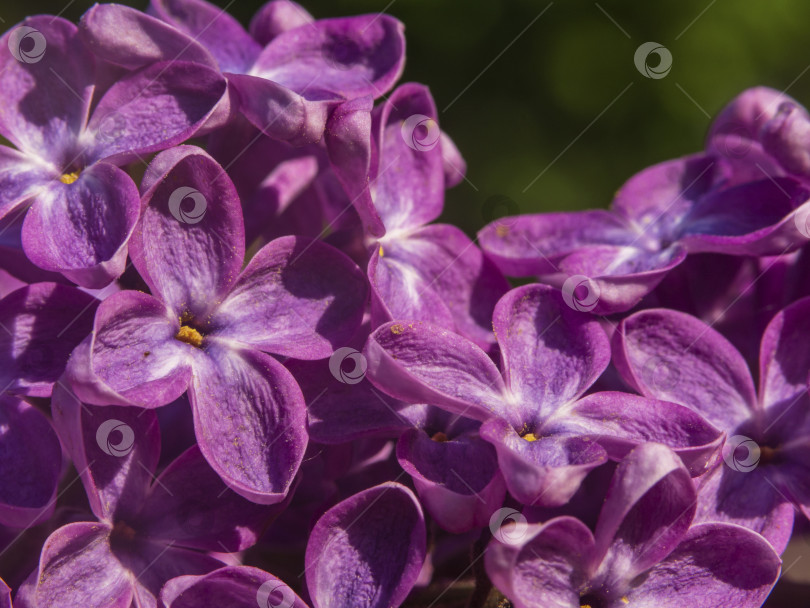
420 363
367 551
699 572
30 466
621 421
46 84
20 179
336 58
232 586
43 323
545 472
457 480
275 17
153 109
82 229
250 419
115 450
189 257
550 353
785 356
673 356
297 298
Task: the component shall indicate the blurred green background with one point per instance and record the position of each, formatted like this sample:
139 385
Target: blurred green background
526 96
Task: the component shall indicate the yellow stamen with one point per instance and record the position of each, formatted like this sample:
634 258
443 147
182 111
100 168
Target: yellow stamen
189 335
69 178
382 253
439 437
625 600
529 437
397 329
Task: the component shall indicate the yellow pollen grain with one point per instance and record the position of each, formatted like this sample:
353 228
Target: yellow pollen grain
625 600
397 329
501 230
69 178
189 335
529 437
382 253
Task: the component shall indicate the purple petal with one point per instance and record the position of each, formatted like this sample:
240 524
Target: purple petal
189 505
77 568
336 58
672 356
190 257
785 355
550 353
214 28
114 449
275 17
82 229
135 353
421 363
621 421
42 324
748 499
132 39
457 480
437 274
279 112
541 566
249 418
20 179
455 167
699 572
232 586
534 244
785 137
45 94
408 186
153 109
367 551
30 464
649 507
297 298
546 471
5 595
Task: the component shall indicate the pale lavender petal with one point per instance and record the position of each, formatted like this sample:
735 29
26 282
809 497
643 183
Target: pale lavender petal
250 419
297 297
40 324
190 243
81 229
367 551
276 17
673 356
20 178
785 355
420 363
455 167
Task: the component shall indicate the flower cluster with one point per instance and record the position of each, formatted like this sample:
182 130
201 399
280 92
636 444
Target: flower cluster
228 310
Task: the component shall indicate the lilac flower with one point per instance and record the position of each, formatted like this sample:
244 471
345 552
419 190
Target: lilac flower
285 76
149 529
669 355
661 215
395 176
232 586
367 551
642 553
83 208
206 325
547 435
